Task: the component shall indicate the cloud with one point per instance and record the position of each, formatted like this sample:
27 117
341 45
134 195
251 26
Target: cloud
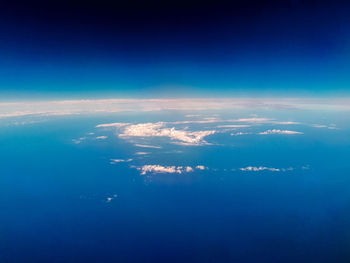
158 129
260 168
331 126
98 106
79 140
233 126
201 167
239 133
116 124
155 169
253 120
163 169
110 198
148 146
101 137
192 115
286 122
142 153
114 161
275 131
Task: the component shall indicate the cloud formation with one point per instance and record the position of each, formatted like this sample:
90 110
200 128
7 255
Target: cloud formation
158 129
275 131
260 168
155 169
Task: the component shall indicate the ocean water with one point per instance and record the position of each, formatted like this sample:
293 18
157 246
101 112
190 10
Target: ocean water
63 198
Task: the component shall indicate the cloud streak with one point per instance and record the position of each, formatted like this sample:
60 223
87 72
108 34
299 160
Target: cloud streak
275 131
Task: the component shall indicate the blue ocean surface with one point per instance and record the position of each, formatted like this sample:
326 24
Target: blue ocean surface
74 192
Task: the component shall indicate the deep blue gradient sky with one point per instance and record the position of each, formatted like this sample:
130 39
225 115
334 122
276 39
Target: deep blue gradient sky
162 48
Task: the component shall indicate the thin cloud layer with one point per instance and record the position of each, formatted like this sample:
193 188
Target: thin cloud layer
74 107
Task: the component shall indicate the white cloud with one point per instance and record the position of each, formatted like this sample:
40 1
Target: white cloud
233 126
275 131
101 137
116 124
164 169
331 126
70 107
110 198
201 167
260 168
253 120
159 130
189 169
142 153
168 169
286 122
239 133
148 146
114 161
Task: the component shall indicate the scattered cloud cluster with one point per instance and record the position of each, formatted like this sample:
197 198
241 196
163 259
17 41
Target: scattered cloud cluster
160 169
168 169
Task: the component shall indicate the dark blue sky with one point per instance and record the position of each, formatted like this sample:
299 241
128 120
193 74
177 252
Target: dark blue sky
167 48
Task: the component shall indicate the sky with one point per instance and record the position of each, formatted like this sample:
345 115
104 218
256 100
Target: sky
146 49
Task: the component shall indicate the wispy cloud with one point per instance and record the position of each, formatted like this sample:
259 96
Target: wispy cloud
115 124
79 140
275 131
114 161
286 122
142 153
148 146
254 120
233 126
330 127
